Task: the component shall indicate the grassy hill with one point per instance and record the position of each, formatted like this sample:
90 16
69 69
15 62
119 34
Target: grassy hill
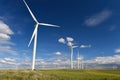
62 74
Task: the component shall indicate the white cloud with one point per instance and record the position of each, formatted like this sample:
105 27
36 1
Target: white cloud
58 53
4 37
117 50
58 60
61 40
8 61
108 59
115 59
4 47
4 28
98 18
6 42
5 33
2 61
85 46
69 39
7 49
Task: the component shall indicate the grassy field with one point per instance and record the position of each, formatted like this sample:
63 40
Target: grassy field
62 74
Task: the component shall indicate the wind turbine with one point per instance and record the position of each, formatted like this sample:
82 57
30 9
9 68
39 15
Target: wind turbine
72 55
34 35
81 60
70 44
78 60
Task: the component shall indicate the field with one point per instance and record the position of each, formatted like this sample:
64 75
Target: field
61 74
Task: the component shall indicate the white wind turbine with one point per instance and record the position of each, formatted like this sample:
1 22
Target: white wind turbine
78 61
70 44
34 35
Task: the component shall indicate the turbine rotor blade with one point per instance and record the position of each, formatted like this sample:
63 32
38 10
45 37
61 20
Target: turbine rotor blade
35 30
51 25
74 46
30 12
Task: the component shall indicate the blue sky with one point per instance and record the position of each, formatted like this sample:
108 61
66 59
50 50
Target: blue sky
88 22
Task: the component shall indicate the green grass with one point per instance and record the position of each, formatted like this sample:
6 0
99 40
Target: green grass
62 74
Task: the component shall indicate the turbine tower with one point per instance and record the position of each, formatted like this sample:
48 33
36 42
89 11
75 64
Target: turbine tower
81 62
35 32
78 60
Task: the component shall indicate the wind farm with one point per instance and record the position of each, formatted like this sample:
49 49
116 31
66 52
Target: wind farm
59 40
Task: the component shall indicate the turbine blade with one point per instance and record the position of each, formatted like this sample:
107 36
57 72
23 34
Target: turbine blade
35 30
74 46
51 25
30 12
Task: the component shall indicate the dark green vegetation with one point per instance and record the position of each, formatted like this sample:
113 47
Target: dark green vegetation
62 74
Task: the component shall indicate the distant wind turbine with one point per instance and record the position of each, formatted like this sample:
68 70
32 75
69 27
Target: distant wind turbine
78 60
34 35
72 47
81 62
70 44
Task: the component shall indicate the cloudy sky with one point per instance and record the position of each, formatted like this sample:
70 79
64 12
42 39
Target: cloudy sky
93 25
